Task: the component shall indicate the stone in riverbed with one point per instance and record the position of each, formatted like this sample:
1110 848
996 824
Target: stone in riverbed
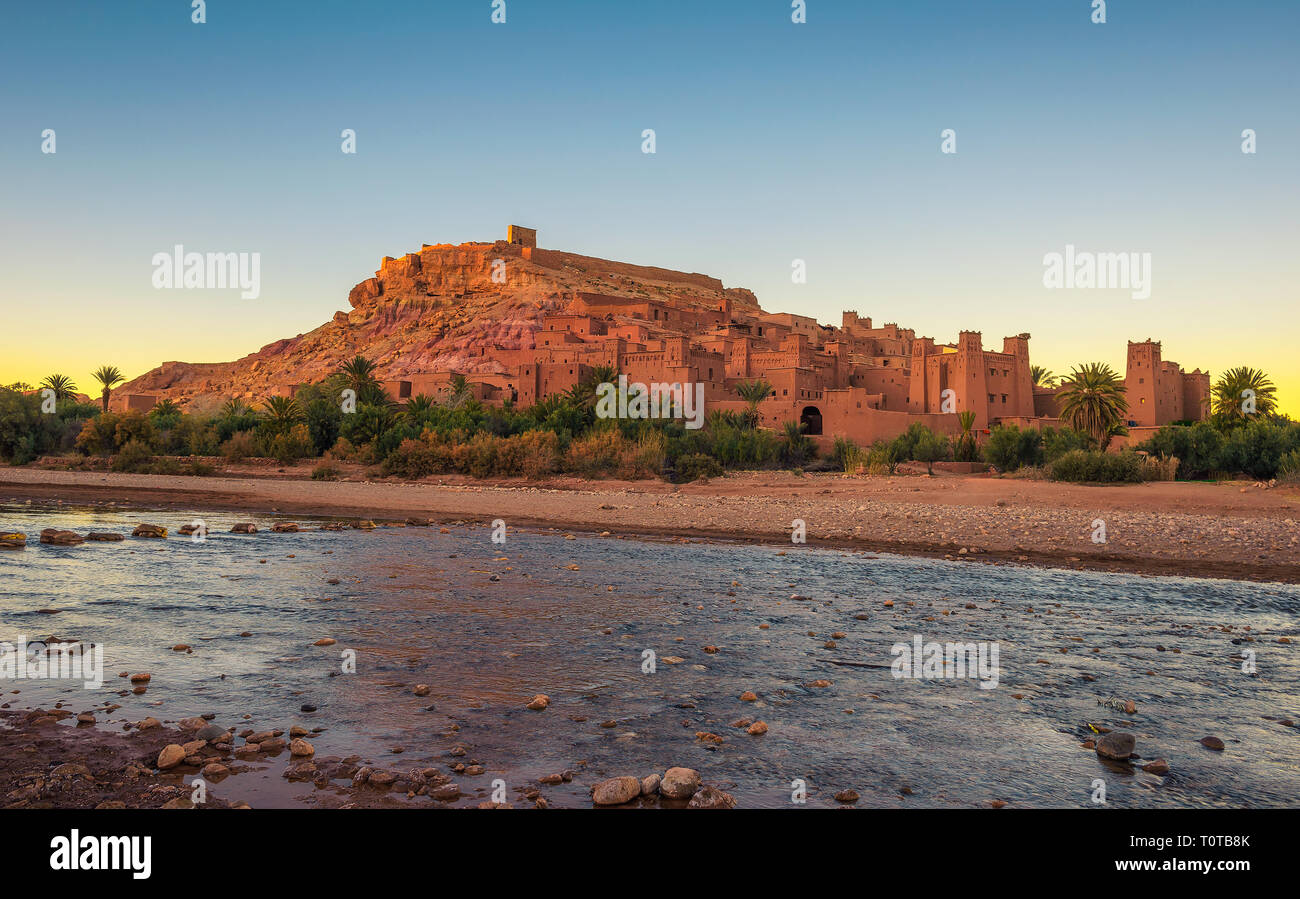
104 537
170 756
1117 745
1158 766
57 537
149 530
616 791
1212 743
540 701
244 527
679 783
650 784
847 796
12 540
712 797
285 527
212 733
301 748
757 729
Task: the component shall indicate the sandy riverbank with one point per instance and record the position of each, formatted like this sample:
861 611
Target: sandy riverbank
1230 530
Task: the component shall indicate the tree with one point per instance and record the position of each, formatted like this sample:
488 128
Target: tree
165 414
930 448
796 446
1092 400
235 408
62 386
966 450
1041 376
753 393
1241 393
108 376
458 392
282 413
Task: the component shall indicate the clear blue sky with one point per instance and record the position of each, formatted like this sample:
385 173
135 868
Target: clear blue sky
775 141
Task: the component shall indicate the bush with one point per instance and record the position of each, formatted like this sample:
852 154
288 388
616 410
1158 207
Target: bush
242 445
1159 468
694 466
1199 448
1288 468
135 456
415 459
595 454
291 446
326 471
1059 441
1096 467
532 454
1009 448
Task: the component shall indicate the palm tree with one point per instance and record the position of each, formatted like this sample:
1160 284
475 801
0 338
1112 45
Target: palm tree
62 386
965 450
165 410
235 408
1233 392
108 376
360 372
1092 400
282 413
458 392
753 393
1041 376
418 406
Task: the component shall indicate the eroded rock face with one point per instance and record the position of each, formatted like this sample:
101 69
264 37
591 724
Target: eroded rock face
435 310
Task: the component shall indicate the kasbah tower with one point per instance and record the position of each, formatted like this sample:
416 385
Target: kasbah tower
654 325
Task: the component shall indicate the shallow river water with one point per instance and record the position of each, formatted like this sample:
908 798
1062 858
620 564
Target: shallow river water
417 606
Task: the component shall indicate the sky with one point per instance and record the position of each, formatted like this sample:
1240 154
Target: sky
774 141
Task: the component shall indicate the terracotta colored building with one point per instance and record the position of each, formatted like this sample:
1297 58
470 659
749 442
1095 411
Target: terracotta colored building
857 380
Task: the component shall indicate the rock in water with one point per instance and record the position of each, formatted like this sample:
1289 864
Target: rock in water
616 791
12 540
149 530
679 783
104 537
1212 743
1116 745
57 537
171 756
712 797
244 527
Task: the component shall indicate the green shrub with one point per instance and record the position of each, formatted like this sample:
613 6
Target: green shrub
1009 448
135 456
242 445
1094 466
694 466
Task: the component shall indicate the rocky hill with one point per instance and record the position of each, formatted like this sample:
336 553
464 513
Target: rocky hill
439 309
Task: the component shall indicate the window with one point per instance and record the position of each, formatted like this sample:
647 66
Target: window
1004 399
991 398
